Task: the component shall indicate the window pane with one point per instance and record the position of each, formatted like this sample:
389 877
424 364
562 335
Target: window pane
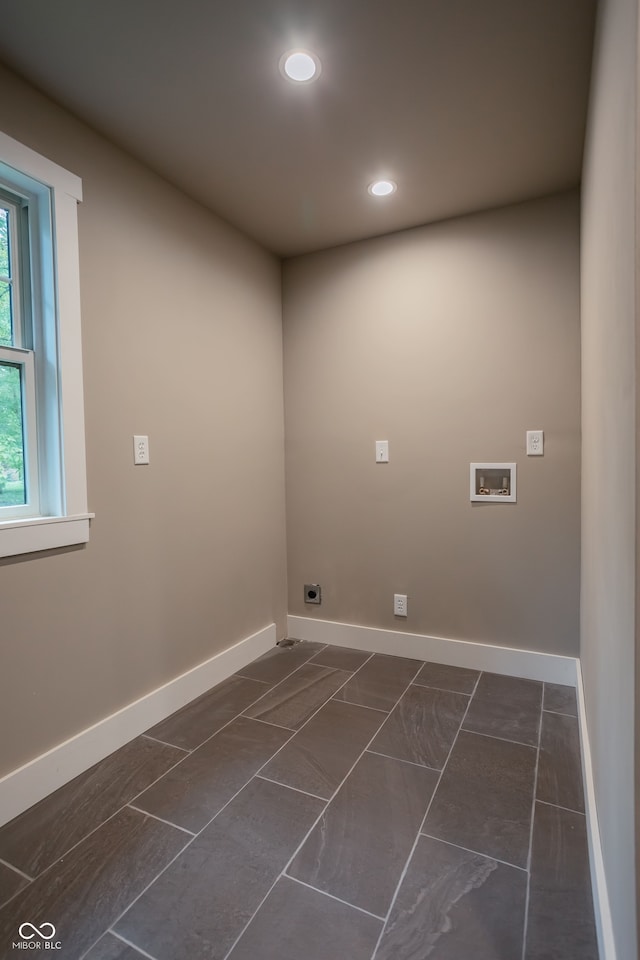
12 486
4 242
6 325
6 308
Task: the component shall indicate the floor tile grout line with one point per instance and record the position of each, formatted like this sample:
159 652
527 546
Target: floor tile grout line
476 853
388 756
261 776
559 713
430 686
491 736
547 803
331 896
243 676
143 953
422 823
342 668
269 723
364 706
16 870
530 851
165 743
313 825
161 819
511 676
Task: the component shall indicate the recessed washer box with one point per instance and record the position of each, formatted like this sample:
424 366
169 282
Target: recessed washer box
493 482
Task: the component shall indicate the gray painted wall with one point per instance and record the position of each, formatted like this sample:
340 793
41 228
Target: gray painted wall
450 341
608 448
182 340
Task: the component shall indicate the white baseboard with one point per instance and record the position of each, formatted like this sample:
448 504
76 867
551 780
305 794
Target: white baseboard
457 653
23 787
602 908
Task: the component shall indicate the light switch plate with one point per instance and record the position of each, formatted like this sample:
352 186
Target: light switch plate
382 451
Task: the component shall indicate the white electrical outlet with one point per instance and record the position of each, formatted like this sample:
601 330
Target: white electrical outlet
400 605
535 443
140 450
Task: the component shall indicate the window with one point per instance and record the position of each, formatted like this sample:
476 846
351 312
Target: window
43 501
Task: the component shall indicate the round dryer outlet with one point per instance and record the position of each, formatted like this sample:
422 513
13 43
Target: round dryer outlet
312 593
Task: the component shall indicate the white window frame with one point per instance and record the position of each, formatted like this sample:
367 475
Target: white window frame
64 519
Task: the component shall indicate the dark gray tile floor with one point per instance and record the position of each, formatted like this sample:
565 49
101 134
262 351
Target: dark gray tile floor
323 803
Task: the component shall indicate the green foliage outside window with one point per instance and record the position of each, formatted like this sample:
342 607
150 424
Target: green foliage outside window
11 437
11 441
5 288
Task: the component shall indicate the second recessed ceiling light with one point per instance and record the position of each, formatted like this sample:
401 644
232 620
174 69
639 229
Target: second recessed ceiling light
382 188
300 66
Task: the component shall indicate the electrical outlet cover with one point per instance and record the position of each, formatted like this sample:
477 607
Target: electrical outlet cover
400 604
535 443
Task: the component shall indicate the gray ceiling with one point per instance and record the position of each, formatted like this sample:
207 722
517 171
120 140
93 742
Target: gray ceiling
467 104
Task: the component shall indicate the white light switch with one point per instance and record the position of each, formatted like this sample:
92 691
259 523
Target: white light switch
141 450
382 451
535 443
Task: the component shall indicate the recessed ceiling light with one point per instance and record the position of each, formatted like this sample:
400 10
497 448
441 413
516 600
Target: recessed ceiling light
300 65
382 188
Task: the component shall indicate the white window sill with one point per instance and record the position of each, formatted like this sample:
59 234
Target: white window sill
43 533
